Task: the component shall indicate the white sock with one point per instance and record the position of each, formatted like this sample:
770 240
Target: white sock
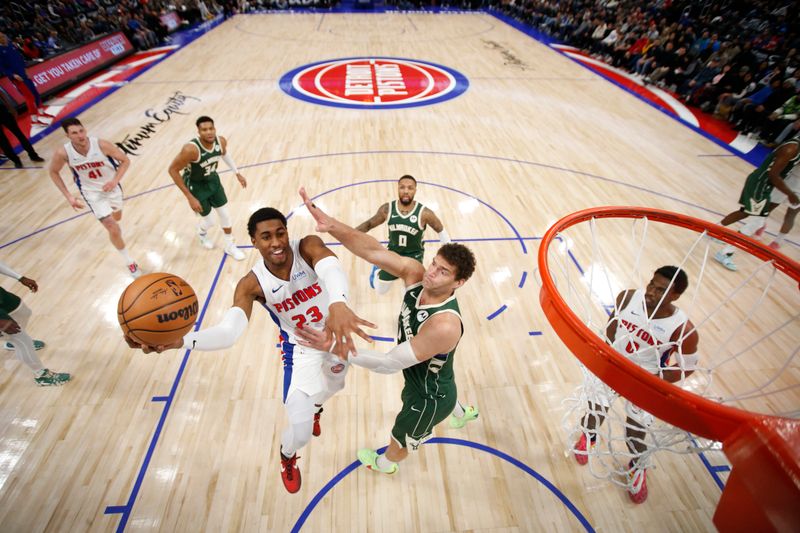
458 410
125 256
779 238
229 239
384 463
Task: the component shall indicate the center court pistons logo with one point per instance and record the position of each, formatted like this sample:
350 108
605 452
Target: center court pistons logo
374 83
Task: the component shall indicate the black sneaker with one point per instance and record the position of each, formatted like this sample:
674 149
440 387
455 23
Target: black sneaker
36 158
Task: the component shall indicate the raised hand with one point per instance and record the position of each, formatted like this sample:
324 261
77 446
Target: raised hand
343 322
324 221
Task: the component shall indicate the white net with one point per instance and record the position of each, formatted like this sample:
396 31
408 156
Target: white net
747 321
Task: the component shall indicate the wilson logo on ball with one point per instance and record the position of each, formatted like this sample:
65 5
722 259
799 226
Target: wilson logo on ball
374 83
184 314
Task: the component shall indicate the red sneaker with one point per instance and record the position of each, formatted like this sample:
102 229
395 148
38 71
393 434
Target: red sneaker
290 474
760 231
580 451
317 431
638 490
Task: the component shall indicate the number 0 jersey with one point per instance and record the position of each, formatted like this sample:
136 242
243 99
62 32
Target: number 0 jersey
300 301
93 170
646 341
406 231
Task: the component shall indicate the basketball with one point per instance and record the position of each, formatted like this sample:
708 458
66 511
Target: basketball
157 309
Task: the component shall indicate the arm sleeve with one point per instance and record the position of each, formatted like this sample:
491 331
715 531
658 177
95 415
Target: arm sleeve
223 335
8 271
444 238
398 358
229 161
329 270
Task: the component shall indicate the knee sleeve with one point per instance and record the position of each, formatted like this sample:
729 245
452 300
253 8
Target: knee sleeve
224 216
300 410
21 314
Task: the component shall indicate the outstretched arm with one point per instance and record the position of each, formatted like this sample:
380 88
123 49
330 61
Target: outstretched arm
375 220
224 334
364 246
439 335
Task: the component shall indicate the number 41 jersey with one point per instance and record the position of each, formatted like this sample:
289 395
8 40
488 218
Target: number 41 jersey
300 302
93 170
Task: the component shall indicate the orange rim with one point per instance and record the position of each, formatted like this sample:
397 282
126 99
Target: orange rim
664 400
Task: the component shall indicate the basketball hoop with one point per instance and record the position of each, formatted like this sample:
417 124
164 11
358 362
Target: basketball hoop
763 488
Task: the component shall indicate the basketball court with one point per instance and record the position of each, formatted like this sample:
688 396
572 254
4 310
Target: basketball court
520 136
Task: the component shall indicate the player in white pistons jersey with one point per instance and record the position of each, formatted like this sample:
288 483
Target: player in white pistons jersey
302 301
648 329
646 341
97 177
302 284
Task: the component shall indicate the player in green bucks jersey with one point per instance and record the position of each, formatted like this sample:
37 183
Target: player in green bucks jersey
429 329
194 171
755 199
406 220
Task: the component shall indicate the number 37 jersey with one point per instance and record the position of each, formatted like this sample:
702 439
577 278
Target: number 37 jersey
300 302
93 170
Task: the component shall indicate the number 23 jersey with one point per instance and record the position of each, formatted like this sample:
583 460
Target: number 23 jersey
302 301
93 170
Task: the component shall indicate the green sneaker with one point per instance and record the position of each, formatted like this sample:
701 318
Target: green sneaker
37 345
47 378
470 414
369 458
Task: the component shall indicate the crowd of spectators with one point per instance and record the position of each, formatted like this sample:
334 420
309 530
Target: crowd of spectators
43 28
735 58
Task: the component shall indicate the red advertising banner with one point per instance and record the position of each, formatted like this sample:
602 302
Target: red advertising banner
64 69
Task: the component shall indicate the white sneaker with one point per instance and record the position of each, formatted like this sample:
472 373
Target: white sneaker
234 252
725 260
134 270
205 241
